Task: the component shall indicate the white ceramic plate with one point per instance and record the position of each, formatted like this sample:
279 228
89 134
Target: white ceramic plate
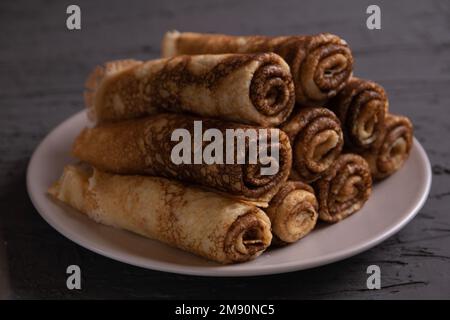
393 204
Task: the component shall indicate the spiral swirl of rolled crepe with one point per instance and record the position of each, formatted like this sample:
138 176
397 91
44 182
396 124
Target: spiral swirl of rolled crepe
316 139
292 212
249 88
320 64
392 147
144 146
361 106
344 189
200 222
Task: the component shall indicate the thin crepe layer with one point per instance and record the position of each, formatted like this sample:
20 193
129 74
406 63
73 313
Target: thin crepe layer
200 222
317 140
248 88
344 189
320 64
392 148
292 212
144 146
361 107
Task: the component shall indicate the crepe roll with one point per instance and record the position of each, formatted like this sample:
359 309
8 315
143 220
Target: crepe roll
204 223
320 64
249 88
292 212
392 147
150 146
361 107
317 140
344 189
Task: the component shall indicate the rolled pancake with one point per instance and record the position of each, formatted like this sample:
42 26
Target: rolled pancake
200 222
292 212
248 88
392 148
316 139
361 106
344 189
320 64
144 146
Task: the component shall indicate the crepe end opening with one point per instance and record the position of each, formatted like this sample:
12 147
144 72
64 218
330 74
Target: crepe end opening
247 237
369 123
319 145
348 190
272 89
365 105
327 68
297 222
395 148
254 181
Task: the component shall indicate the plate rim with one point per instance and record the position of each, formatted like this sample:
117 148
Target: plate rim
224 270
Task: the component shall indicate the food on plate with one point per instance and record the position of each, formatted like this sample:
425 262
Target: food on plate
361 106
148 146
201 222
344 189
320 64
249 88
292 212
392 147
317 140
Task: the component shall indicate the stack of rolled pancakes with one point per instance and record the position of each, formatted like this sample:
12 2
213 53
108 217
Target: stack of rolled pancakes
334 135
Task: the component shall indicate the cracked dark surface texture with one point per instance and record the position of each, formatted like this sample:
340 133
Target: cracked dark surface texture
43 69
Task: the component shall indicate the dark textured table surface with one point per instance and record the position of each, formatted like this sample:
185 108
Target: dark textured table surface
43 67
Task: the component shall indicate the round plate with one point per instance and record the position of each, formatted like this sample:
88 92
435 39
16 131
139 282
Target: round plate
394 202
